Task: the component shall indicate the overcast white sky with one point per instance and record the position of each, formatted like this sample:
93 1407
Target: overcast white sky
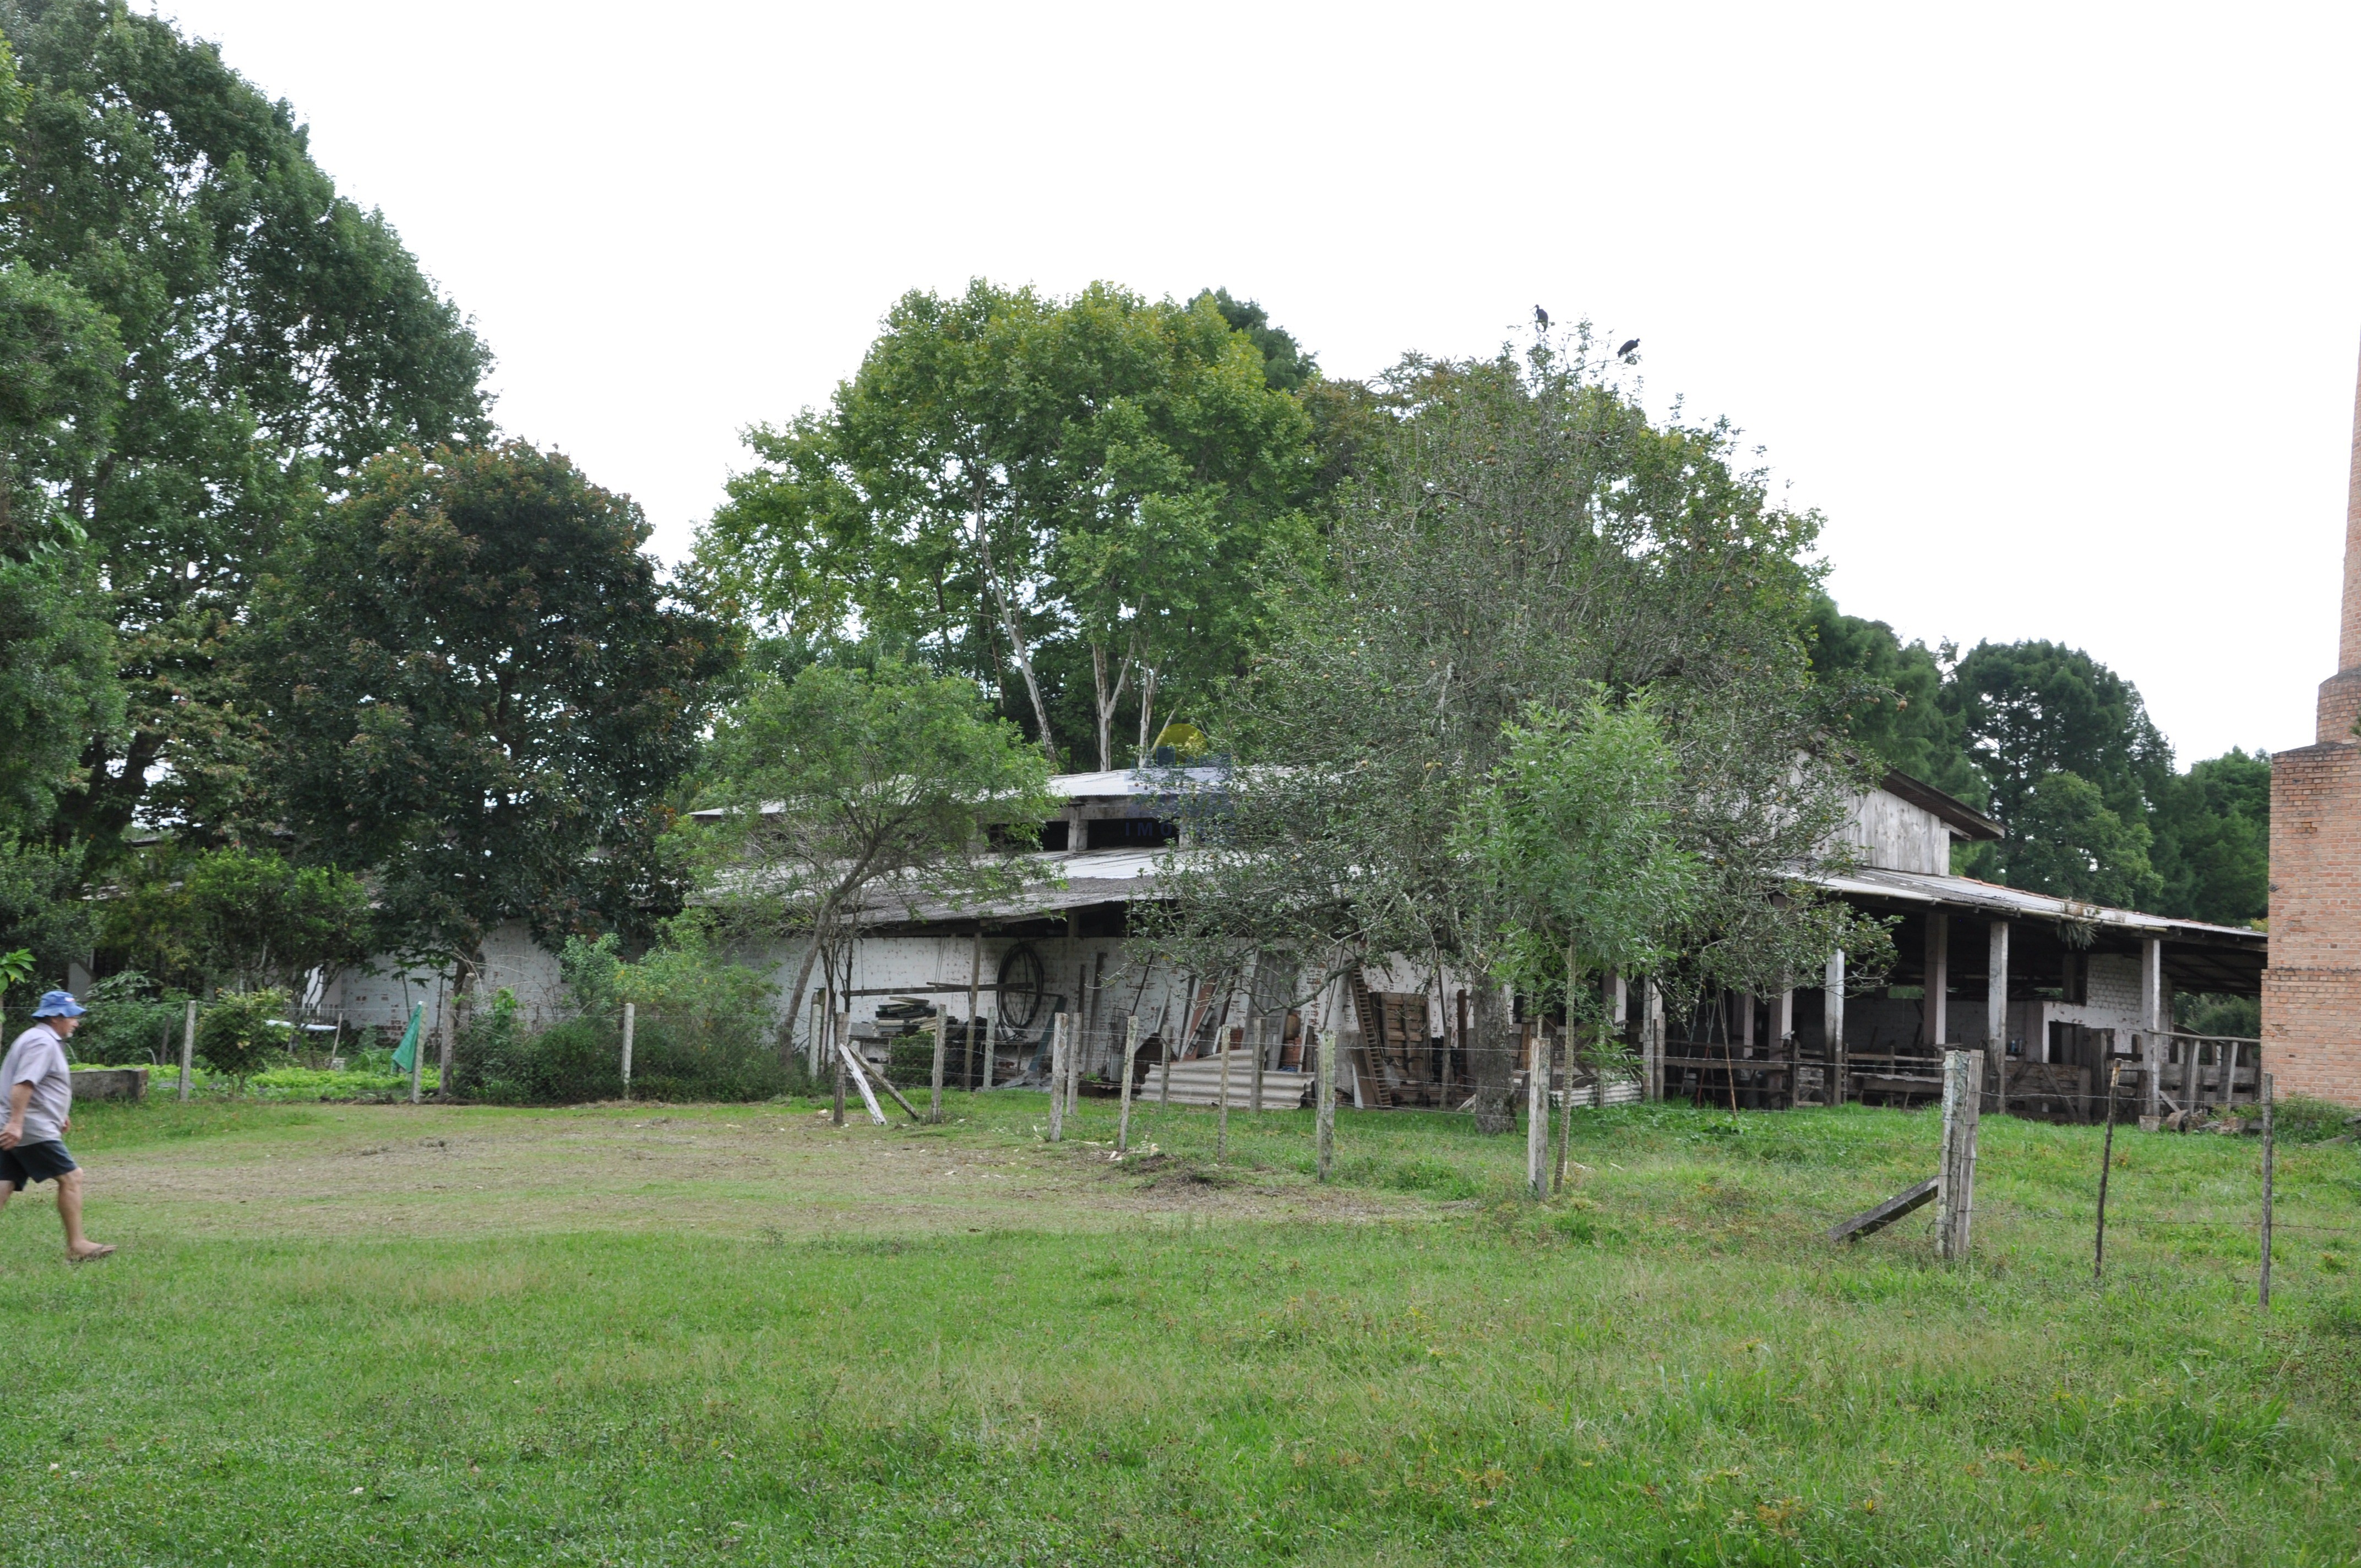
2052 310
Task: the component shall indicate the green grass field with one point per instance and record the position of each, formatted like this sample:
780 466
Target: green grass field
372 1334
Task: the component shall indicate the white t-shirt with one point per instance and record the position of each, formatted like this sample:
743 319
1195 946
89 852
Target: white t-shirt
38 1058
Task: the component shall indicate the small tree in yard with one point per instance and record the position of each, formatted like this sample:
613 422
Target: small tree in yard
240 1031
1578 829
850 790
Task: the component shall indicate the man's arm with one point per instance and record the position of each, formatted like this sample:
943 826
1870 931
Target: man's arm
19 1096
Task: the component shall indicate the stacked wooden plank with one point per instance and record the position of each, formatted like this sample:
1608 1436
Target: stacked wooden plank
1198 1081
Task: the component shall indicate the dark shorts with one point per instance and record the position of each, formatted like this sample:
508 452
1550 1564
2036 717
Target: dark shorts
27 1163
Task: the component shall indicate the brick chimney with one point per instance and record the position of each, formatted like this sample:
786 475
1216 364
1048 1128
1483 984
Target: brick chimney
2312 993
2340 694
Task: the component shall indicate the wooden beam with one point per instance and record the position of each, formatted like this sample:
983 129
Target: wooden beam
1885 1213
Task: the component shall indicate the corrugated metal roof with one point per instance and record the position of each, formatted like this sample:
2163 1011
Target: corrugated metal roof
1967 893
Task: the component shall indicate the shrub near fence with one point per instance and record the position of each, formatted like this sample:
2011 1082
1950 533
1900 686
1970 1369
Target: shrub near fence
705 1031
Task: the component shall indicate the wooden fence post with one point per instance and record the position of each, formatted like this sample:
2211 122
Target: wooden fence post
188 1049
1222 1118
2106 1161
630 1018
1057 1049
450 1033
1837 1072
1262 1050
935 1082
1537 1117
1323 1088
2264 1279
975 984
1962 1095
1130 1050
1654 1026
1164 1076
984 1081
1565 1117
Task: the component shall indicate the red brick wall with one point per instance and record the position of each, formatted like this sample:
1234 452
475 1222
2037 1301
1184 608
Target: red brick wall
2312 993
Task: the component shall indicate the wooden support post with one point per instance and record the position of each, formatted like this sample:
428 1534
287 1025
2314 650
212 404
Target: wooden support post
418 1060
1566 1122
840 1044
449 1036
1837 1076
1537 1118
2263 1289
1164 1076
188 1049
630 1018
1323 1090
1058 1048
815 1047
2152 1026
1869 1221
860 1074
1130 1051
1956 1202
1935 1022
839 1104
974 981
934 1082
990 1048
1653 1047
1996 1013
2106 1162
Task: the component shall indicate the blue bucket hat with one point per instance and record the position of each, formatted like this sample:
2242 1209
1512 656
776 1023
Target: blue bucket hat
59 1005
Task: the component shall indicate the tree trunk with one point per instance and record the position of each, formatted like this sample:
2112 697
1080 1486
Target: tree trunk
1016 644
1108 700
1492 1060
1147 708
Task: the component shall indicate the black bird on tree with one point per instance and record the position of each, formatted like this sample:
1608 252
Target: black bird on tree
1540 318
1629 349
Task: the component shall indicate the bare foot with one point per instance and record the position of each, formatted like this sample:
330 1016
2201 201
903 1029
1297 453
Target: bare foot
87 1252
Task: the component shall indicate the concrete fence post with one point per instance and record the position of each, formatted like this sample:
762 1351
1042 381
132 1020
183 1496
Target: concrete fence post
631 1021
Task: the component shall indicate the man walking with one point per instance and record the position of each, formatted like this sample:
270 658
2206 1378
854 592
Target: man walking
39 1089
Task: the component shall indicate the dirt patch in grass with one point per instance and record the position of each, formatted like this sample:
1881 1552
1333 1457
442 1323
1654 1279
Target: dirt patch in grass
428 1171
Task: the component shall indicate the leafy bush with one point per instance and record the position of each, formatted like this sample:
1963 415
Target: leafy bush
2300 1119
705 1029
236 1034
129 1021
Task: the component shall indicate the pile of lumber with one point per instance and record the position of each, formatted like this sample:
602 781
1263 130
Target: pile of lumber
1198 1081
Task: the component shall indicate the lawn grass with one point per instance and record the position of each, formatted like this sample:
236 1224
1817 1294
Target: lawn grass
735 1334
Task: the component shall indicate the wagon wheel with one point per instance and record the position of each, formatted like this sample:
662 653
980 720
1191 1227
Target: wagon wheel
1021 983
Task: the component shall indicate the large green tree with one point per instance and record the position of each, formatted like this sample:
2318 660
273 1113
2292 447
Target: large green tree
272 336
475 684
1888 698
1522 538
2212 830
1074 500
2029 709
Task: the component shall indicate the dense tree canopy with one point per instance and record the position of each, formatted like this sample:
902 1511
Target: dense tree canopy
237 334
475 684
1074 500
2061 750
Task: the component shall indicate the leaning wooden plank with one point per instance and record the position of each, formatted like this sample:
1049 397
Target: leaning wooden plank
1885 1213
